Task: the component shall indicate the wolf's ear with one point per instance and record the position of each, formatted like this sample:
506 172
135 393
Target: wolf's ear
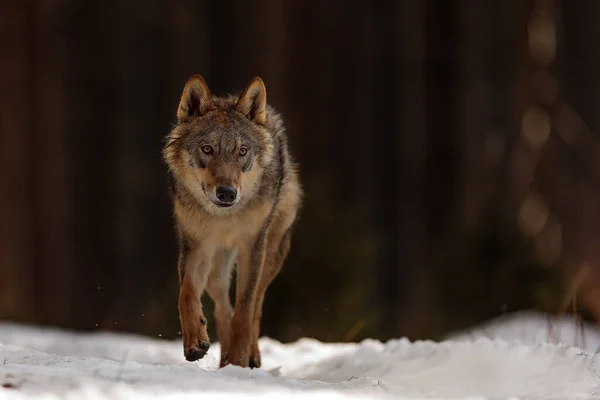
195 100
253 101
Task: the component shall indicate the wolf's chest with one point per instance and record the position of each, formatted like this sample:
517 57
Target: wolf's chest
227 231
241 227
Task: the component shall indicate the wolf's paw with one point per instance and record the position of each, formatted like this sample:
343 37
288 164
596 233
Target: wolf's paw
254 362
254 355
196 353
224 362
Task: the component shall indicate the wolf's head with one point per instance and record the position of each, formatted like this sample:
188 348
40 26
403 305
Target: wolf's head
220 146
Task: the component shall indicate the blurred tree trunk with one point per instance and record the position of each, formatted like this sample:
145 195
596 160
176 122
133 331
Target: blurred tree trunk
307 88
442 93
386 190
142 61
261 47
55 270
580 62
475 110
17 223
442 173
409 115
94 138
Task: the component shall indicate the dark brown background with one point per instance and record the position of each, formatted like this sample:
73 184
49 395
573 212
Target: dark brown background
421 214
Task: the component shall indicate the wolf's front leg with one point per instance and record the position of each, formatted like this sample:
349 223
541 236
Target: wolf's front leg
250 263
193 270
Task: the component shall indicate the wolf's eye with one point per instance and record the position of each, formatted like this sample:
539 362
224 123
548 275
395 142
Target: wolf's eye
206 149
243 151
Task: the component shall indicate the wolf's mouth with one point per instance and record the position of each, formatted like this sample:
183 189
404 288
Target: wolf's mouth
222 205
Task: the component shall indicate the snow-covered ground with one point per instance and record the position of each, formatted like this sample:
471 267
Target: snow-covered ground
511 358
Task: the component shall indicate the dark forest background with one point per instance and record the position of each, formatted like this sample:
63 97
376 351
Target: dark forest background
449 152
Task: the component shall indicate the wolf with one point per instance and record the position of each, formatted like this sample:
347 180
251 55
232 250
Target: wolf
236 196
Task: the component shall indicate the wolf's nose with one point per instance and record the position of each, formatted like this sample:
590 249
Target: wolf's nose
226 194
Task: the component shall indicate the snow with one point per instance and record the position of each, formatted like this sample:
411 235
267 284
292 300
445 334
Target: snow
511 358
